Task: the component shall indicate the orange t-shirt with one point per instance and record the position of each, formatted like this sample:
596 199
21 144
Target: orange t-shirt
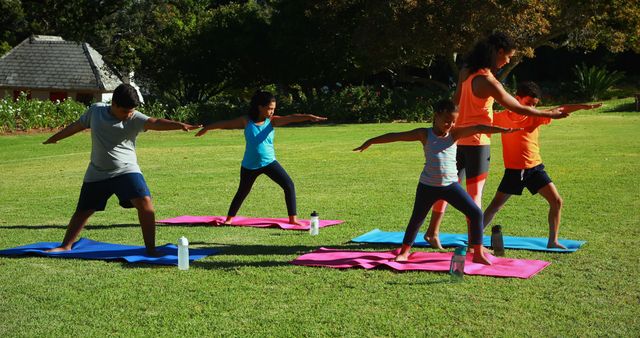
520 149
474 110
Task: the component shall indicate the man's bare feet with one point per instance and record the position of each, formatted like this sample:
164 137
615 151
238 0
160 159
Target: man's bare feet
433 240
555 245
228 220
58 249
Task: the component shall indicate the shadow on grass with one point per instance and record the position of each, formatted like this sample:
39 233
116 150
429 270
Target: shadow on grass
629 107
95 227
266 249
230 266
254 250
443 280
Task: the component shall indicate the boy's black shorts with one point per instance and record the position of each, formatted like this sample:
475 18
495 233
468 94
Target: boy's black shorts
94 195
515 180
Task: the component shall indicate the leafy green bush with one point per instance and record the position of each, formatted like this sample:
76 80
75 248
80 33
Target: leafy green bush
365 104
222 107
593 82
25 114
350 104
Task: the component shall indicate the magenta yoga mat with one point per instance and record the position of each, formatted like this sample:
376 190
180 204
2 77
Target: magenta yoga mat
420 261
282 223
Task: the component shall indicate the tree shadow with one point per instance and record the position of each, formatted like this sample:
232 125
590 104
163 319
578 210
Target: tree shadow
628 107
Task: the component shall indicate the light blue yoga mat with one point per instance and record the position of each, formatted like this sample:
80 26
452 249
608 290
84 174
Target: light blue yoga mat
88 249
453 240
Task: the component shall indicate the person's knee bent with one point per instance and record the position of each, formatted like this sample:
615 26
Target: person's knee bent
556 202
475 214
144 204
288 187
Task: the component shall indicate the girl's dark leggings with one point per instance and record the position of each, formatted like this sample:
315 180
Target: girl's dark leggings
456 196
275 172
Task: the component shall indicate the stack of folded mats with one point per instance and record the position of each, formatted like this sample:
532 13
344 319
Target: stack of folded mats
377 236
420 261
88 249
282 223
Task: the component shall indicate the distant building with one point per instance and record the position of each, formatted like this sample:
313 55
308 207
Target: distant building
50 68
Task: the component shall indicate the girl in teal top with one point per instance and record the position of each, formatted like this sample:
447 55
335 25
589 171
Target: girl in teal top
259 155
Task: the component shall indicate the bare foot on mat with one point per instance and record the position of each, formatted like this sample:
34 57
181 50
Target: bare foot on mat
555 245
433 240
58 249
402 257
481 259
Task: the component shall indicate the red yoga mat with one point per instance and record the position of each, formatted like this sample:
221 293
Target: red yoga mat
282 223
420 261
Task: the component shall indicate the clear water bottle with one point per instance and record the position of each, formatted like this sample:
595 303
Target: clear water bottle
497 242
183 253
314 226
456 269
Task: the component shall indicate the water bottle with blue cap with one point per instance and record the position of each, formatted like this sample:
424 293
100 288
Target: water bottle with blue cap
456 269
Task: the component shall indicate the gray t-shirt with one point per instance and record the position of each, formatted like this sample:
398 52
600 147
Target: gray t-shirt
113 142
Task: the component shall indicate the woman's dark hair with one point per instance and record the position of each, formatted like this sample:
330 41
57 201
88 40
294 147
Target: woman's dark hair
125 96
259 98
485 53
444 106
529 88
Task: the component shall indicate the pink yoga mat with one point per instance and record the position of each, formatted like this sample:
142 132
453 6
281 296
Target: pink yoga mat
281 223
423 261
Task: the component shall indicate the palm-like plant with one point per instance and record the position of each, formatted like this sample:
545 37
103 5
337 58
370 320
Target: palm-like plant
592 82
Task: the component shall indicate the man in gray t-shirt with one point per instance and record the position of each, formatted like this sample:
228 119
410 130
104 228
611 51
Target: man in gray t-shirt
114 166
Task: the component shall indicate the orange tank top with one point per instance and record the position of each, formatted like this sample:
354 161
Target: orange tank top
474 110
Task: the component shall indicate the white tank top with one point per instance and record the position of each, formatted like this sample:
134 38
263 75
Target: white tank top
440 156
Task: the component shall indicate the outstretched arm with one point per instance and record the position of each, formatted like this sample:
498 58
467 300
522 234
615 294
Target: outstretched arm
419 134
70 130
570 108
293 118
457 133
237 123
491 87
164 124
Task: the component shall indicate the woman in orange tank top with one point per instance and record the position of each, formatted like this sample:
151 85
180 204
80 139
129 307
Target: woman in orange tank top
475 94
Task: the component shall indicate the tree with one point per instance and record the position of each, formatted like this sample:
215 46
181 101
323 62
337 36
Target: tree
396 33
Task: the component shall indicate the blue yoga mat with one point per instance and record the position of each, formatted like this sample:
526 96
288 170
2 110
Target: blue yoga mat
454 240
88 249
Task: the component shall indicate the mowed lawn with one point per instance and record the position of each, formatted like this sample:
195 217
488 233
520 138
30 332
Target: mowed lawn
251 289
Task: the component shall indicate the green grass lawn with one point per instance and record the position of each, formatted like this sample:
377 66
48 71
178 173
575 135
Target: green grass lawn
251 289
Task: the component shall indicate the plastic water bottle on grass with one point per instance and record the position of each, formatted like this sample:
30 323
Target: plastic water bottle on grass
496 241
456 269
183 253
314 226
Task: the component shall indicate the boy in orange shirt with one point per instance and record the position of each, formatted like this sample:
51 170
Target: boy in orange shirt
522 161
